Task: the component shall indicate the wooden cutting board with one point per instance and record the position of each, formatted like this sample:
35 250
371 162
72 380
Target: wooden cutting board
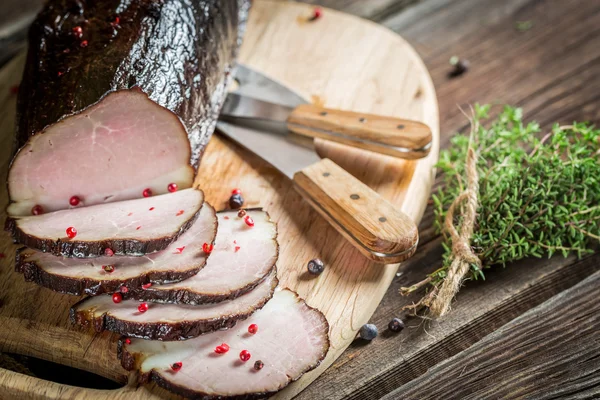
337 61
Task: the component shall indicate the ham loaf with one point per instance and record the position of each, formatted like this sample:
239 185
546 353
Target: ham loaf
119 96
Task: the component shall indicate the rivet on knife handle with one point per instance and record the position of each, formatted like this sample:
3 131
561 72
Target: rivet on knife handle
387 135
379 230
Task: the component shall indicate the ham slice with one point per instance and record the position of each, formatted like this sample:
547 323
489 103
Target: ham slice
292 338
182 259
241 258
169 321
132 227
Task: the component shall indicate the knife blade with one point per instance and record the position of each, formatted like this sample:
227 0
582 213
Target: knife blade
373 225
387 135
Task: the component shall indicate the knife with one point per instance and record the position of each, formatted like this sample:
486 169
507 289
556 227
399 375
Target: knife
386 135
378 229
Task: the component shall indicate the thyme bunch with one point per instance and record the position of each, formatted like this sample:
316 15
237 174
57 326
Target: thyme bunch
537 196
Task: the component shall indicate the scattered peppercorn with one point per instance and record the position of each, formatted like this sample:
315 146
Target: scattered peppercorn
128 341
146 285
222 348
317 13
117 298
236 191
396 325
176 366
242 213
77 31
253 328
147 192
108 268
172 187
83 43
315 266
143 307
124 289
74 201
37 210
249 221
460 66
108 252
258 365
71 232
236 201
368 332
245 355
207 248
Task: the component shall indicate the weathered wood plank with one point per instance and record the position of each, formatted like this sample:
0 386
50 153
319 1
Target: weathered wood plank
551 71
549 352
369 371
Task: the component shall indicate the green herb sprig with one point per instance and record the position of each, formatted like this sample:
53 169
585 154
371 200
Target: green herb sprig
537 196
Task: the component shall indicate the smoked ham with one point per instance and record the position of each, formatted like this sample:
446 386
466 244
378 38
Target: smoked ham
169 321
132 227
182 259
241 258
119 96
291 339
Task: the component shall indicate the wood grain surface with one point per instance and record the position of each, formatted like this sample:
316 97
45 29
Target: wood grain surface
381 231
395 137
551 71
542 55
338 61
556 341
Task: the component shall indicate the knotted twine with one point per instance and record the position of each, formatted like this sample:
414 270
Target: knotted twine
463 255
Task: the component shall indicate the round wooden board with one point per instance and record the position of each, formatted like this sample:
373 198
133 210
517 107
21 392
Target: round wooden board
338 61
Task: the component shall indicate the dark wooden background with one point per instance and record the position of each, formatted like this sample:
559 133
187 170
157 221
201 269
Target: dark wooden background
531 330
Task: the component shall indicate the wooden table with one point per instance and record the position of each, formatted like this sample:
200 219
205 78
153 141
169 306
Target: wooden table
532 329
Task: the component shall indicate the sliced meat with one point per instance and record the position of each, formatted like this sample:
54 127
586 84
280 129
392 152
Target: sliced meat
240 260
124 145
132 227
182 259
126 94
292 338
169 321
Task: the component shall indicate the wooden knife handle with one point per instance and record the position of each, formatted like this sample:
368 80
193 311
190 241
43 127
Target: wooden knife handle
386 135
379 230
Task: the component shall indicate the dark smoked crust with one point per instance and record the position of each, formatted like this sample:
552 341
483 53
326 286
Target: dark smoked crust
130 362
80 249
161 331
186 296
32 272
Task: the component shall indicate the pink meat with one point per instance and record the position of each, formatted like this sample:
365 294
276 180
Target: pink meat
182 259
132 227
241 258
292 338
170 321
112 151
